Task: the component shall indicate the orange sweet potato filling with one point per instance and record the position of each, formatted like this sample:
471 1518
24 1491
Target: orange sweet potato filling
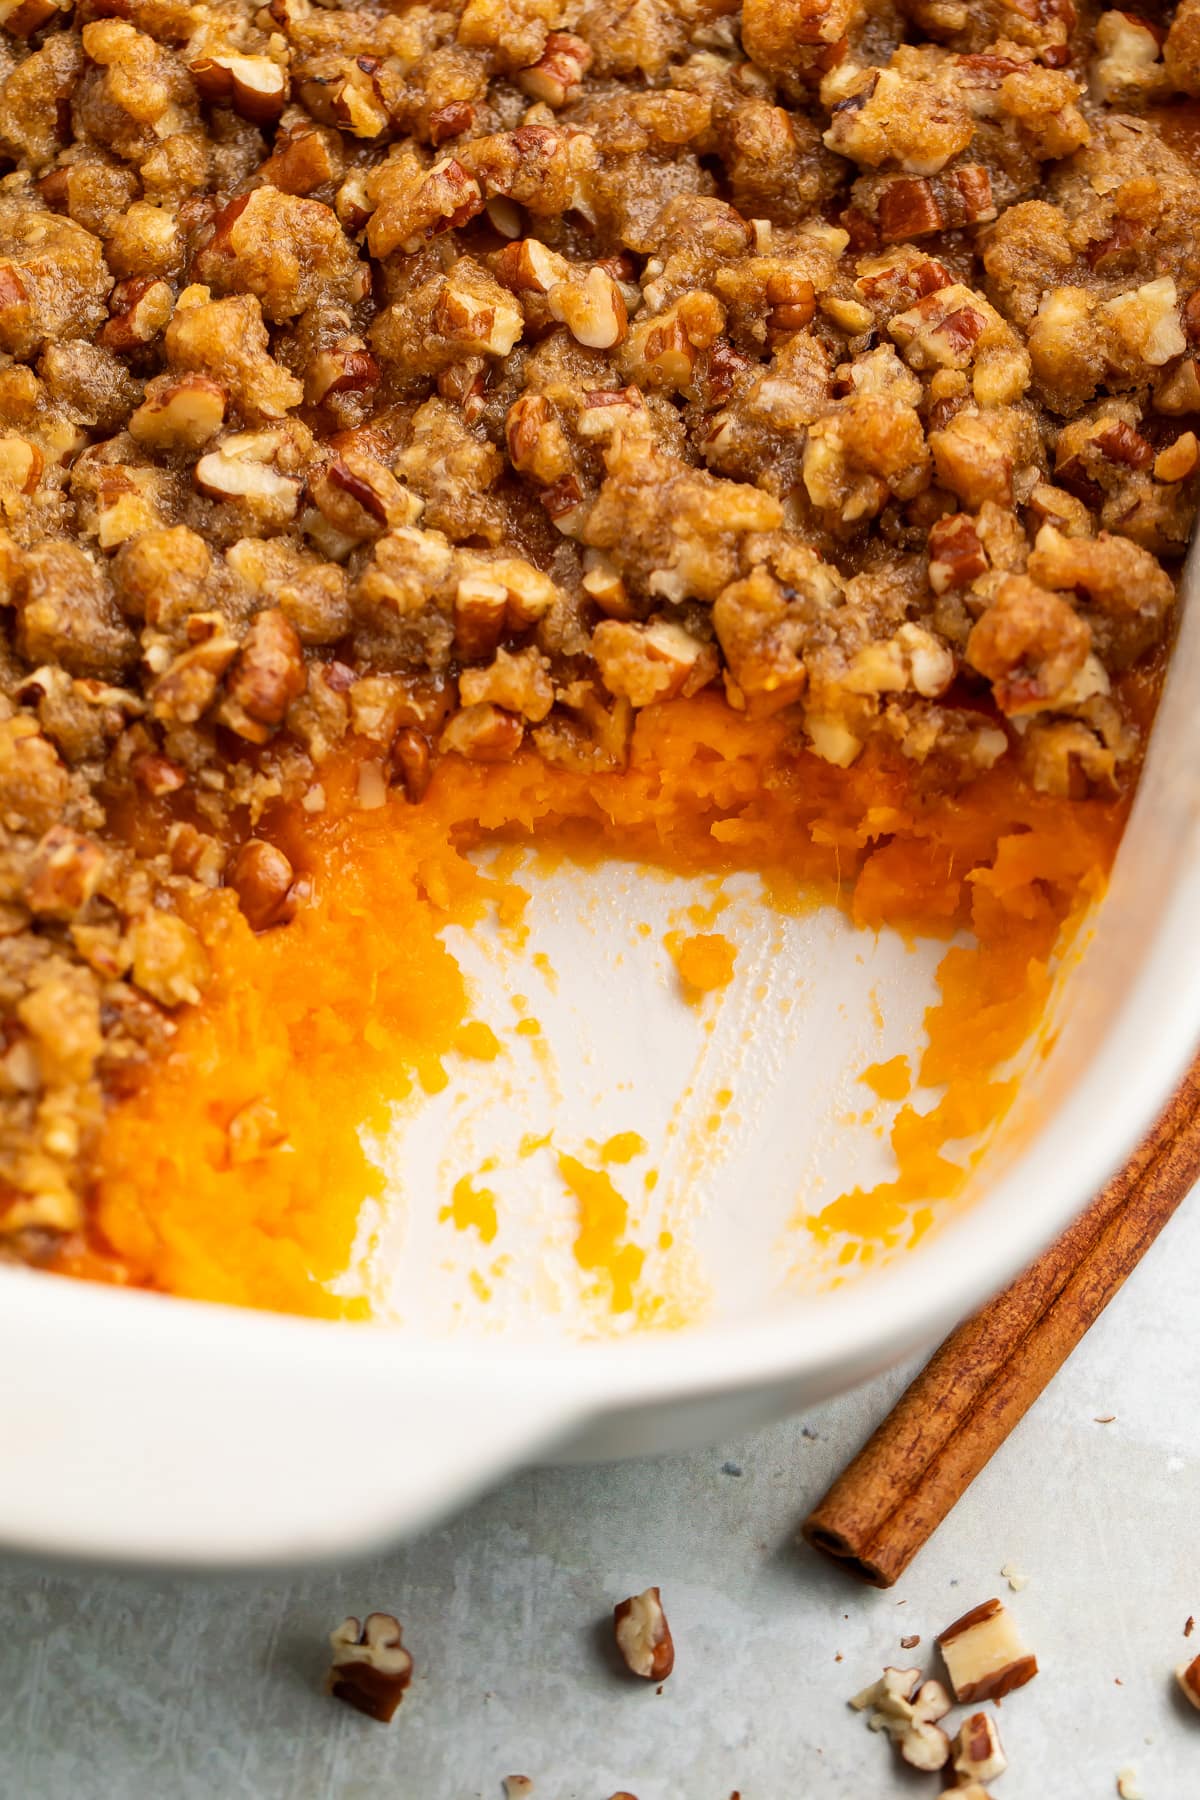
308 1032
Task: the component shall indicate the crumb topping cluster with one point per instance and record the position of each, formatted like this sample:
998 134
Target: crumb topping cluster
461 377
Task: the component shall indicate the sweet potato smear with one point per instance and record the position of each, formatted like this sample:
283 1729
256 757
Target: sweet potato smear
235 1172
705 961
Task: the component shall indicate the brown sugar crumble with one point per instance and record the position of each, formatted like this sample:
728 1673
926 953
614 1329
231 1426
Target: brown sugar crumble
460 376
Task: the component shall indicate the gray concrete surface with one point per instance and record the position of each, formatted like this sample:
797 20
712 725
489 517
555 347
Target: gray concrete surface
129 1687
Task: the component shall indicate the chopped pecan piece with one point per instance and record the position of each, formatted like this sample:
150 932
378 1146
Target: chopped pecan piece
243 467
347 367
141 307
1175 462
1120 443
304 158
643 1636
180 412
483 733
414 205
169 961
158 775
360 496
1128 69
1031 644
908 1708
915 207
23 17
253 86
602 583
536 442
65 872
978 1752
21 465
261 876
909 209
473 310
188 684
791 299
450 121
555 77
1178 389
1188 1677
411 762
520 683
267 675
563 502
956 556
593 310
984 1655
370 1669
655 661
480 612
527 266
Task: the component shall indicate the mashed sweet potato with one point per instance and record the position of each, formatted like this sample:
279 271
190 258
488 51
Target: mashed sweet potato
235 1171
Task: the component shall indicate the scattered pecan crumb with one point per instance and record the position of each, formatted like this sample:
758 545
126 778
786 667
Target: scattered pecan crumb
978 1752
907 1707
371 1668
1015 1579
984 1655
643 1636
1189 1626
1188 1677
1128 1786
909 1643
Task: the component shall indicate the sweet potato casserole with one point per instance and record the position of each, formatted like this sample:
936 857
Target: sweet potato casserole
401 404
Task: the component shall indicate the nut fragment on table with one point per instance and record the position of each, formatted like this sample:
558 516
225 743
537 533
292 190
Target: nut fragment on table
984 1655
1127 1785
261 876
643 1635
517 1787
1188 1677
1014 1577
978 1753
907 1707
370 1668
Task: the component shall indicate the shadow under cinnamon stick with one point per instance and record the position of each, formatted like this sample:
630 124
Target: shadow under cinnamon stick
990 1370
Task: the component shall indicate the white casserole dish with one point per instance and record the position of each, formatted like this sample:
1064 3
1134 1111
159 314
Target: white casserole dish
162 1430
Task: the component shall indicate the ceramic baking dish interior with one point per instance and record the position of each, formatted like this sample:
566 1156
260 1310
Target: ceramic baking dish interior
159 1429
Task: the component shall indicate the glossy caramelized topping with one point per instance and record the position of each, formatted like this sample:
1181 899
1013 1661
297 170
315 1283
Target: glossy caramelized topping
399 384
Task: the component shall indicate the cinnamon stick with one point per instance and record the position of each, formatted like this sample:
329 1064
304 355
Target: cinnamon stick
990 1370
